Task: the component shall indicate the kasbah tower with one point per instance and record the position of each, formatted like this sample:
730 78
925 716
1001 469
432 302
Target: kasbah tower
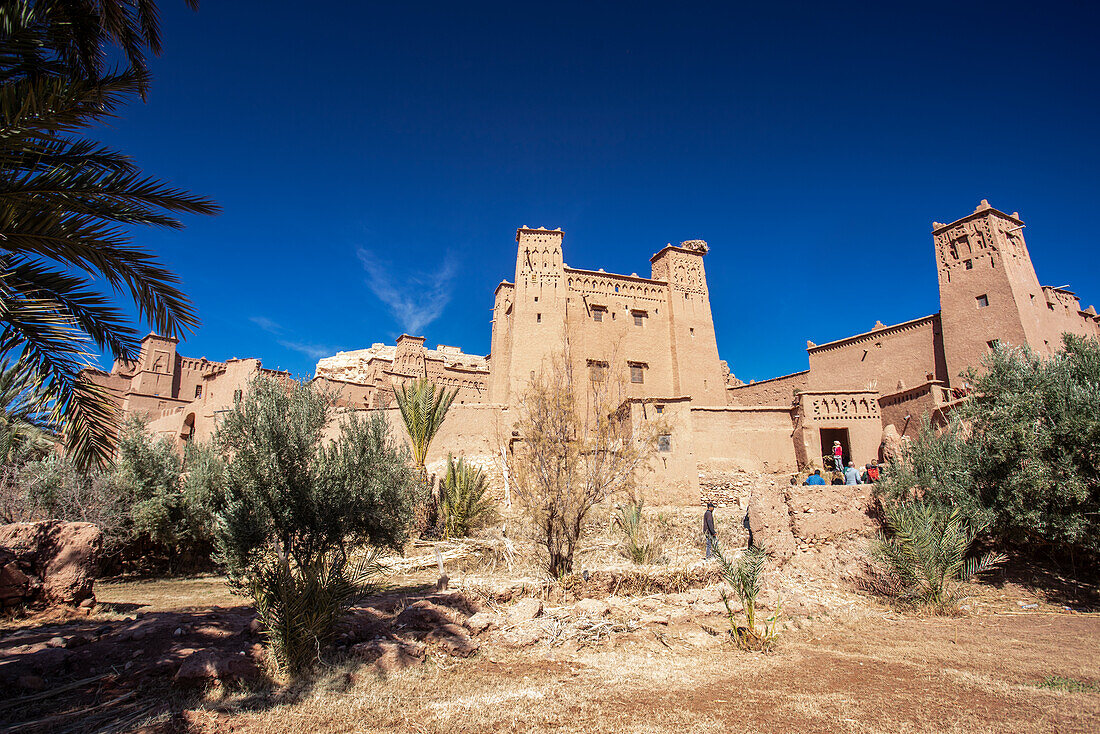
655 338
654 334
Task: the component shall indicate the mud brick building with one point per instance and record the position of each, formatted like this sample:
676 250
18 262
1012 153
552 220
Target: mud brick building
655 337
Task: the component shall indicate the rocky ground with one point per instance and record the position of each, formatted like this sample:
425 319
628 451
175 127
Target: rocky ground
613 647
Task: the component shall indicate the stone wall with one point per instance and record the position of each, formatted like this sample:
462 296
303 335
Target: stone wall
778 391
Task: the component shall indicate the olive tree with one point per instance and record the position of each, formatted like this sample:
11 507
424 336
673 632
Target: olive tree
299 518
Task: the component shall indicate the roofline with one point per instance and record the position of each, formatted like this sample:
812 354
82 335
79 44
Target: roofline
981 211
865 334
770 379
635 278
677 248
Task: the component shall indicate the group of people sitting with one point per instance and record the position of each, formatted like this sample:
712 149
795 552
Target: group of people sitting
845 474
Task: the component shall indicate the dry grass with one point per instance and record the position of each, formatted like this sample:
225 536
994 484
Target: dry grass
871 674
166 595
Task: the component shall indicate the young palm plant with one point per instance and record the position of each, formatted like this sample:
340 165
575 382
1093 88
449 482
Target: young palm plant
922 558
299 604
423 407
746 576
639 545
463 503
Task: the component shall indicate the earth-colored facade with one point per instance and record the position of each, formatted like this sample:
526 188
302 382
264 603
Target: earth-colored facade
655 337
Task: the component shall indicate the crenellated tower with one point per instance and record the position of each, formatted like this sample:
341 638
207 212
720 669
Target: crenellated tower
989 292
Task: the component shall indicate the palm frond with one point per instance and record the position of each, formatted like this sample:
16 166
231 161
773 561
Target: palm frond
423 407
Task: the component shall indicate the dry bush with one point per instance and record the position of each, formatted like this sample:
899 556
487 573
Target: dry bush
575 452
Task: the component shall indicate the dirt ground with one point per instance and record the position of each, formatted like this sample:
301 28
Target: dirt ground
1022 657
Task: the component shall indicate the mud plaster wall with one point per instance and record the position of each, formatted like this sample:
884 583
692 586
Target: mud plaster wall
735 438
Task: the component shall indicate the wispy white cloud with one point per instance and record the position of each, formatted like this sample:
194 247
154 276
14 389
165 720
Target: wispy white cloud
313 351
415 298
266 324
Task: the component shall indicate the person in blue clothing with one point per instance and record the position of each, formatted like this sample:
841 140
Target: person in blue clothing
815 478
851 474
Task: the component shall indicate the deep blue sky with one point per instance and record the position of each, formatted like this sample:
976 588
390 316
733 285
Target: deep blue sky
374 160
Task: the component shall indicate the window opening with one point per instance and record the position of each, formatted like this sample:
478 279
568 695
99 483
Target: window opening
597 370
983 301
969 264
538 318
664 443
198 391
637 375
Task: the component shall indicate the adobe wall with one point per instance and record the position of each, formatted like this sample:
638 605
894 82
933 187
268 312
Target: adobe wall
778 391
881 359
1062 313
697 370
906 409
670 475
660 326
198 419
743 438
856 411
469 430
617 338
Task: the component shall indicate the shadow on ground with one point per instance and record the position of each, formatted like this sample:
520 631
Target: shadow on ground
87 674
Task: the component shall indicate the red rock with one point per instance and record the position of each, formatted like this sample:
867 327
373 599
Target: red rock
13 583
454 640
61 554
524 610
31 682
209 665
424 615
389 656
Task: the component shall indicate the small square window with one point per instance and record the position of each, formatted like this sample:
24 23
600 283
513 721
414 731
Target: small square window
664 443
597 314
639 317
597 371
983 301
969 264
536 299
538 318
993 343
637 375
198 391
691 331
660 409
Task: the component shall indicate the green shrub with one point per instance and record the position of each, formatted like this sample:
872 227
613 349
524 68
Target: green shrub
1071 685
463 501
923 555
1021 455
300 604
291 509
150 519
